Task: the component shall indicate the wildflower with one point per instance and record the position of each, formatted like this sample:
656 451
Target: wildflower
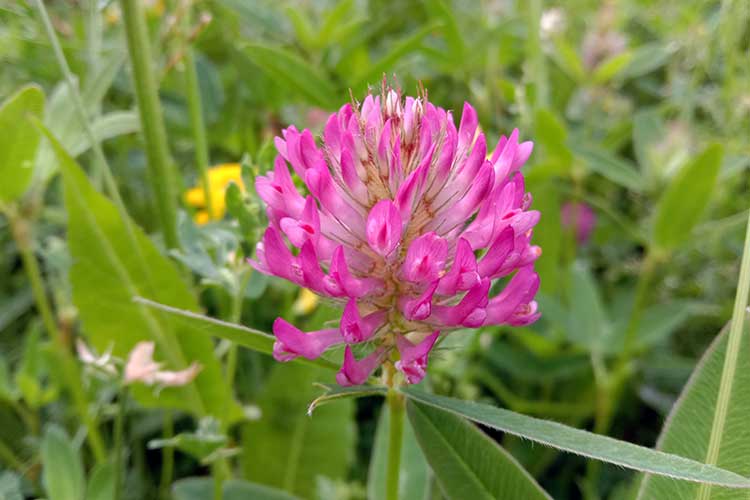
141 367
580 218
406 224
105 362
219 177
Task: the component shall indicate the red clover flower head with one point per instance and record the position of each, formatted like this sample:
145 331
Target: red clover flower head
407 223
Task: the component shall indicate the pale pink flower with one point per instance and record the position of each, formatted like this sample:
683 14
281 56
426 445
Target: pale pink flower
141 367
406 223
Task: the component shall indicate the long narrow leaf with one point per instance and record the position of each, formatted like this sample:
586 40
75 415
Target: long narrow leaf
582 442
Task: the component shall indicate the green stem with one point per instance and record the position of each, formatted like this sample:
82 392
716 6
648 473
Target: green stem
119 441
642 290
396 405
9 457
730 362
195 107
152 123
235 315
20 229
99 159
219 473
167 466
537 62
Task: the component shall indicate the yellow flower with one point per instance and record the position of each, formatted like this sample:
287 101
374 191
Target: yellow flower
305 303
219 177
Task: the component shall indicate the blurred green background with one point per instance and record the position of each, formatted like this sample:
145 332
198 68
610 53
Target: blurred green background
620 97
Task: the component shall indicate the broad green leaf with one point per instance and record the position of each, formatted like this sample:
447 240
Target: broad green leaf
613 168
99 82
201 488
374 72
467 463
239 334
290 70
19 140
114 261
610 68
101 484
688 427
659 321
201 444
61 466
581 442
686 198
588 324
288 449
414 475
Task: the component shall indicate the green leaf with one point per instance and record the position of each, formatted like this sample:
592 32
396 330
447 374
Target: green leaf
646 59
202 443
289 69
114 261
414 476
201 488
102 482
613 168
588 323
336 392
10 486
548 234
584 443
61 465
610 68
687 429
551 135
648 131
286 448
686 198
375 71
567 58
19 141
239 334
467 463
105 127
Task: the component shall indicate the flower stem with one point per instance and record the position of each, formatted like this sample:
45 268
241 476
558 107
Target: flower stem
195 107
118 442
730 362
152 122
167 465
396 405
21 230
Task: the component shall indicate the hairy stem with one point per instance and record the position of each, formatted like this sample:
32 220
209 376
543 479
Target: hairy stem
396 405
152 123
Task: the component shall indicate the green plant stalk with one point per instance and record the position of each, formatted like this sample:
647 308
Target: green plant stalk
71 373
152 123
9 457
730 362
100 160
536 60
235 316
119 441
396 405
167 465
197 124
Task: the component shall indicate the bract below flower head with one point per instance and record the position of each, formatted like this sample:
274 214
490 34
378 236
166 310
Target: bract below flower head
406 222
